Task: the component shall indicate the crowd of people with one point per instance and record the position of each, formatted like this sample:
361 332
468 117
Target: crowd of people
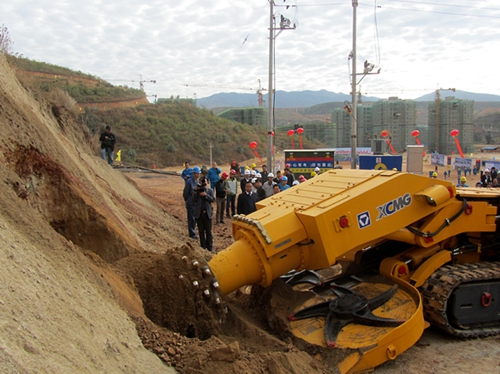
232 195
487 178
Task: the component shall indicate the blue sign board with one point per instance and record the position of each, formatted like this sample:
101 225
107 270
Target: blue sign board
380 162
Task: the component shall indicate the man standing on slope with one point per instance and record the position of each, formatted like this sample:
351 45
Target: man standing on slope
107 140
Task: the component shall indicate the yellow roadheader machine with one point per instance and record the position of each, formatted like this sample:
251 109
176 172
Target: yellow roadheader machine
434 248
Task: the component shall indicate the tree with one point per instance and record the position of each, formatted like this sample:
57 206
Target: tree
5 42
489 139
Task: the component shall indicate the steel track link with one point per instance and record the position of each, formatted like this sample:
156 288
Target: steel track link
437 290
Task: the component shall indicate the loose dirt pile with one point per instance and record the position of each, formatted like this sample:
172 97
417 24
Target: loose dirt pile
98 276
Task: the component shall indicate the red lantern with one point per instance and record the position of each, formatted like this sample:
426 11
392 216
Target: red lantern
385 134
454 134
290 133
415 134
253 145
300 130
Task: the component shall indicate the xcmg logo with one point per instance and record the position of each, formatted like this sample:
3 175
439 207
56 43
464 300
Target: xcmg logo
393 206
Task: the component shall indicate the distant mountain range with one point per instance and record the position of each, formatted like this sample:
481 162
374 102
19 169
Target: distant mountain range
305 99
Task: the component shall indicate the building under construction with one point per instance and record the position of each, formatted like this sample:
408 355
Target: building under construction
341 125
397 118
324 132
448 115
254 116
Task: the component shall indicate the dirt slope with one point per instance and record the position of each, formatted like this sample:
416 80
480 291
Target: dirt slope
57 311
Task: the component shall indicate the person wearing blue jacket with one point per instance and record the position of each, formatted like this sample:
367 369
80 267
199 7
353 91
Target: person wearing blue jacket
187 172
213 175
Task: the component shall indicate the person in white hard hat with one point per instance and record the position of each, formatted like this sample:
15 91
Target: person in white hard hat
268 185
486 178
247 178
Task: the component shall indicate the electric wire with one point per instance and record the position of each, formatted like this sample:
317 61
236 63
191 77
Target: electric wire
238 52
444 5
439 12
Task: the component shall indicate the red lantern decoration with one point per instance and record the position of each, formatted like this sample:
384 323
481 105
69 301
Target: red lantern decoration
253 145
415 134
385 134
300 130
454 134
291 133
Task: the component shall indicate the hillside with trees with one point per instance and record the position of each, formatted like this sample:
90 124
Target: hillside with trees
148 135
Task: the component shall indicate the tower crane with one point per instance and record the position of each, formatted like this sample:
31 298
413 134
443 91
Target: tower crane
259 91
141 81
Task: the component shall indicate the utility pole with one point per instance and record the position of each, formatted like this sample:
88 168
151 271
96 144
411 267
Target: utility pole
285 24
210 146
354 108
367 70
270 97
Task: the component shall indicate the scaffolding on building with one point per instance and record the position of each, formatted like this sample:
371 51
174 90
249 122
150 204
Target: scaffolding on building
253 116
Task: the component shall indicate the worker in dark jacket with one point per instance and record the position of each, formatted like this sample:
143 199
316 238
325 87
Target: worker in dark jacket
203 198
257 185
247 200
188 194
107 140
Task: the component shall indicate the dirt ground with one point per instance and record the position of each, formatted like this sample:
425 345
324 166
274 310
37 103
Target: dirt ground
98 271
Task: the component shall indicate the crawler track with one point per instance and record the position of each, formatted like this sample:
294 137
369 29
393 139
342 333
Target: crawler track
438 289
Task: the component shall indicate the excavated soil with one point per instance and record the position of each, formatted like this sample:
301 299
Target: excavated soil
98 273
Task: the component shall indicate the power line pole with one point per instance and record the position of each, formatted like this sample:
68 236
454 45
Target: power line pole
367 70
210 146
285 24
354 106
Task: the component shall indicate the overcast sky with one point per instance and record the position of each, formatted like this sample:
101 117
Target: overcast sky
223 46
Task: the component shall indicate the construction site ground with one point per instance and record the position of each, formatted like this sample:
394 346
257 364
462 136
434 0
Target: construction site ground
435 352
97 271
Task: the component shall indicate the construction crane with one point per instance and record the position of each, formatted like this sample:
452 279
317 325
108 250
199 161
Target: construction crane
141 81
437 113
259 91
